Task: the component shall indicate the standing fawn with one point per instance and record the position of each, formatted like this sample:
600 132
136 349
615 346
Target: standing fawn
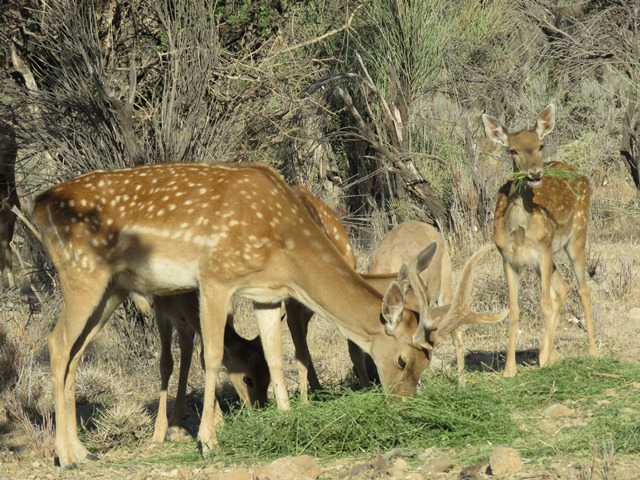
8 198
547 210
223 230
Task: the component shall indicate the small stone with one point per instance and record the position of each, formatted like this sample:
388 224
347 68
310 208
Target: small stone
437 465
401 464
548 426
471 472
240 474
505 461
303 467
634 313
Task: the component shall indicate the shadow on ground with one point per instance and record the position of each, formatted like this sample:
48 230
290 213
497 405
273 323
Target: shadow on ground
483 361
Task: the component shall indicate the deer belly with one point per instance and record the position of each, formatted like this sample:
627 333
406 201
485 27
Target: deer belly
160 277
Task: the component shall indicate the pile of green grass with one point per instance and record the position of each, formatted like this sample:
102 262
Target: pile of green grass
490 410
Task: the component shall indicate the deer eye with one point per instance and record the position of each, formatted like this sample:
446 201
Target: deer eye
541 147
402 363
248 381
513 152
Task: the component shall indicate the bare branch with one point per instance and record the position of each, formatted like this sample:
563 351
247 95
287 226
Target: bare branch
328 34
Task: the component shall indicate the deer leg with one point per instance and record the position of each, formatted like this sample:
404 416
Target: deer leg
165 330
558 295
85 310
357 358
456 337
214 302
546 272
268 318
576 254
513 279
185 339
298 318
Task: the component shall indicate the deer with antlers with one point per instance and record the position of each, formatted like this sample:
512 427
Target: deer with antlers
402 243
8 197
222 229
543 210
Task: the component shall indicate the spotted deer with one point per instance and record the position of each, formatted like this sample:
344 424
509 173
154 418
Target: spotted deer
545 211
180 312
8 198
222 229
402 243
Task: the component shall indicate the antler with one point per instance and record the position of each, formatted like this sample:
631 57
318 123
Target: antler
411 283
448 318
459 312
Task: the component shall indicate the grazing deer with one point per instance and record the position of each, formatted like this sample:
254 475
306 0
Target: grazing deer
404 242
222 229
243 359
534 218
8 197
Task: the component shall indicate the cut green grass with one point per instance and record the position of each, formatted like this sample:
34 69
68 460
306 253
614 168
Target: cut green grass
490 410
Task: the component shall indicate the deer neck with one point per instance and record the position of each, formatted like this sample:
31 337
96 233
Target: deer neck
339 293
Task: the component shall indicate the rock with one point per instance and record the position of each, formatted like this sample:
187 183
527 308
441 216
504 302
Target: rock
437 465
303 467
401 464
504 461
558 410
471 472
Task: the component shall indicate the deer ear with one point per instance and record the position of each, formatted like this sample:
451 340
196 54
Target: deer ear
494 130
546 121
425 257
255 359
393 305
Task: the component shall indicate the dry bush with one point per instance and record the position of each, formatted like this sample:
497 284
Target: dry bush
124 424
38 429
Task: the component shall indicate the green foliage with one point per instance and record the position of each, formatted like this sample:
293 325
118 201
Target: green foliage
247 14
363 421
418 38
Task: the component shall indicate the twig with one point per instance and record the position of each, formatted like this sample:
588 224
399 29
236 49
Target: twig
330 33
18 213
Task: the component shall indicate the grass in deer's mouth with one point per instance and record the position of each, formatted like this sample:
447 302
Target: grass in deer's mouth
489 411
520 178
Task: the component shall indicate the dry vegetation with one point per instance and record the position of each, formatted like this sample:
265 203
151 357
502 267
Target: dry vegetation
383 129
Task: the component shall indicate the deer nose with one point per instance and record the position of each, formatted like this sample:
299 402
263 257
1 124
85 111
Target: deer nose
536 175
